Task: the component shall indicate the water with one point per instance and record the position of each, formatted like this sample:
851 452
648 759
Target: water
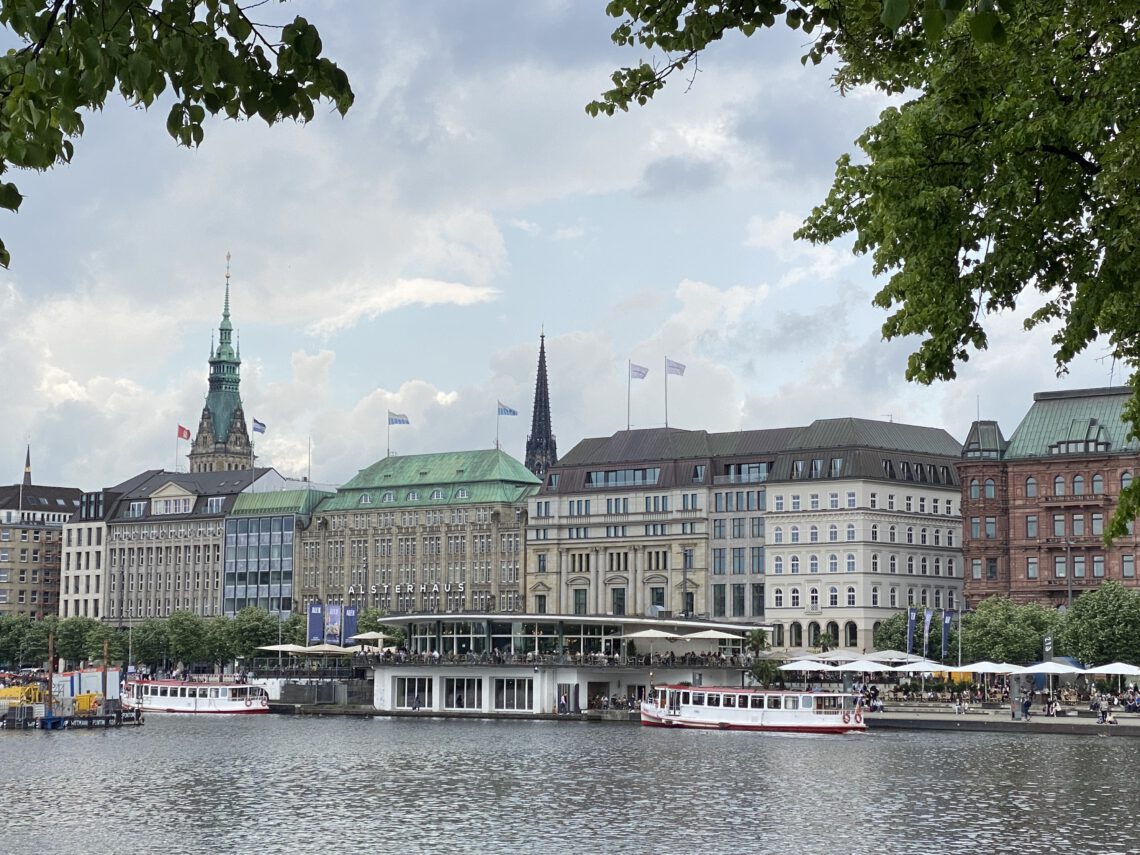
274 784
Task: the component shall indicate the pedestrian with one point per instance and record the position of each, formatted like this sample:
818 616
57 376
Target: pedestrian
416 701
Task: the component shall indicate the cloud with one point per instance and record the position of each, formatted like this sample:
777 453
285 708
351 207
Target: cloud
360 300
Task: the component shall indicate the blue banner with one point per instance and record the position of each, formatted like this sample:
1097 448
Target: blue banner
947 620
351 613
911 617
332 623
926 616
316 623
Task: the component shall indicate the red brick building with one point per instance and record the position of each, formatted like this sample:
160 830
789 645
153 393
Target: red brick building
1035 506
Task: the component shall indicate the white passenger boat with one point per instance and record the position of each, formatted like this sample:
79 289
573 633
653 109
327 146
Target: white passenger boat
728 708
178 696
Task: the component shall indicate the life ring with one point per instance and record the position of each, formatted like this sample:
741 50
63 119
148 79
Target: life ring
846 717
265 701
249 702
858 718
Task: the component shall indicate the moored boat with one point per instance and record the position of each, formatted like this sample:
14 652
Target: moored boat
729 708
178 696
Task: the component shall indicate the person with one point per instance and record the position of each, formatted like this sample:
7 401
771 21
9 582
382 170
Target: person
416 701
1026 703
1109 718
562 705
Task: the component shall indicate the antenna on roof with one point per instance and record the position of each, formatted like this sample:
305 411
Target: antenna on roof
890 417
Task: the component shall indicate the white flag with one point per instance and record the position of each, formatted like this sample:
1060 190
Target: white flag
672 367
637 372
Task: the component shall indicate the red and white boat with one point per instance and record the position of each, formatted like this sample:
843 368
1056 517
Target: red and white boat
179 696
728 708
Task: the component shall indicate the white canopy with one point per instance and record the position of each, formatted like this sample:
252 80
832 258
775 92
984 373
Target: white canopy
653 633
806 665
831 656
1048 668
327 650
1121 668
283 648
860 666
711 635
920 666
369 636
987 667
887 656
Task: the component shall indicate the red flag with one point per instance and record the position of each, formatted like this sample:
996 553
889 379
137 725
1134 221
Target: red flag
183 432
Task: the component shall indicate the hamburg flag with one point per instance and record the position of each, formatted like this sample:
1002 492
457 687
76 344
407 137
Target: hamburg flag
183 432
397 418
258 427
672 367
504 410
637 372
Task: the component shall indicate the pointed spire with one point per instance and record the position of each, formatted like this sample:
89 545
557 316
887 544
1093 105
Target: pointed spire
541 450
28 467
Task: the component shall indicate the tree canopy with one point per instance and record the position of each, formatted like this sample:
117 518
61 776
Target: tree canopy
210 55
1008 177
1101 625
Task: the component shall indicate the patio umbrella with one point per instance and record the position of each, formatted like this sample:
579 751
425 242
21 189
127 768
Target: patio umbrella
887 656
653 633
832 656
327 650
1121 668
711 635
806 665
283 648
369 636
987 667
860 666
1048 668
920 666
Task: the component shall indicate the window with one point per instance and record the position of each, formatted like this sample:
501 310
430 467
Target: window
833 563
850 531
813 501
813 598
874 562
813 564
757 559
778 534
738 527
1079 566
795 598
991 492
813 534
795 534
778 503
794 564
778 598
874 531
975 527
1098 523
974 488
1078 485
1059 568
1078 525
1058 525
874 500
894 598
1031 567
1125 480
1031 526
851 498
617 601
850 562
718 607
833 533
1097 485
833 597
910 534
991 527
718 557
1031 486
1059 485
796 502
976 568
850 597
833 500
991 568
580 601
875 597
738 560
778 565
1128 566
892 534
1098 566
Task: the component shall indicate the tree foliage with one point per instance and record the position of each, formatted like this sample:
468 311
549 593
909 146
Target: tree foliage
186 632
1009 176
204 56
1103 626
1003 631
150 643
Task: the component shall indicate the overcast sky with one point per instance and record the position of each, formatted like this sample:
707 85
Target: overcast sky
408 256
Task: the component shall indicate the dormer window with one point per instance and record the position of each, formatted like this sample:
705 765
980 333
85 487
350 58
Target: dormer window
366 499
388 497
413 496
437 494
462 493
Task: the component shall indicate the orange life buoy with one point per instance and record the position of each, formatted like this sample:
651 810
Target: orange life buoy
249 702
846 717
858 718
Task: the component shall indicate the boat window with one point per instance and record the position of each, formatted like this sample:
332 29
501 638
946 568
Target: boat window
698 699
729 700
684 697
225 691
713 700
181 691
757 702
805 702
163 691
791 703
213 693
773 702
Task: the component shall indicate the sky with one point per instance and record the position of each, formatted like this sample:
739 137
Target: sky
408 256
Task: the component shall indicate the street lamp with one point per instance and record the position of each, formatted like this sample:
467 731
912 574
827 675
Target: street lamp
1069 572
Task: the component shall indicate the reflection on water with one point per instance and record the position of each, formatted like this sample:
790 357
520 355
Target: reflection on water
271 784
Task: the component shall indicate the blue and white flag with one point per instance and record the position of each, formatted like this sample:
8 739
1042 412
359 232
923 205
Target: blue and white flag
911 616
947 620
504 410
397 418
637 372
672 367
926 616
258 427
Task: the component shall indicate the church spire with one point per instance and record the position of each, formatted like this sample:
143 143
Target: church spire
28 467
541 451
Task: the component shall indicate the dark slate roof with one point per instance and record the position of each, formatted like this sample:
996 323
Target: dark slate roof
639 446
38 498
985 440
867 433
228 483
1076 415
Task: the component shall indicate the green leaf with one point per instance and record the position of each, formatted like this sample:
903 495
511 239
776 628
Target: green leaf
984 27
10 198
894 13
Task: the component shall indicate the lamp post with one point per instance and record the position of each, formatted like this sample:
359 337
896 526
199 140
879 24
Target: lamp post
1068 573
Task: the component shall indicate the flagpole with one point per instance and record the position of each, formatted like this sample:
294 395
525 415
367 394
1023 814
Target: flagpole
666 391
177 439
389 454
498 415
628 385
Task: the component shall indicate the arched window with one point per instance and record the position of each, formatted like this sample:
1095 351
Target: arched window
795 598
778 635
937 537
833 630
894 564
366 499
851 595
875 597
925 597
910 596
778 534
833 596
851 634
949 566
850 531
973 488
937 566
937 598
778 598
1059 485
833 563
813 564
795 534
922 536
1030 486
833 532
794 564
813 534
1078 485
388 497
796 635
778 565
910 565
949 537
813 634
1125 480
1098 485
894 598
991 492
874 562
850 562
874 531
813 598
949 599
922 566
891 534
910 534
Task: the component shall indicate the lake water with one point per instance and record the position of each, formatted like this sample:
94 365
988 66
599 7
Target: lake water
276 784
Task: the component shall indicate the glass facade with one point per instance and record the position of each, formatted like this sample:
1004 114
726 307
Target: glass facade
259 564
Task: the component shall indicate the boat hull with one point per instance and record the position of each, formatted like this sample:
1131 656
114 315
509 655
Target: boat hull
791 727
733 708
182 698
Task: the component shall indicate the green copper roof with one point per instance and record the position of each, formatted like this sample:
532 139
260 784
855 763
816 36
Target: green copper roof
1078 421
224 399
278 502
443 479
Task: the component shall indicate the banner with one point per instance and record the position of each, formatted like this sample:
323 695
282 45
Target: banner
316 624
911 617
351 613
926 616
332 624
947 620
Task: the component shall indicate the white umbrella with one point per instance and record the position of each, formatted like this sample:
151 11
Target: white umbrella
283 648
711 635
652 633
986 667
1121 668
920 666
368 636
832 656
860 666
887 656
806 665
1048 668
327 650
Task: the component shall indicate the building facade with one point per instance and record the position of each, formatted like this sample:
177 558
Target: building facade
32 519
1036 505
422 533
